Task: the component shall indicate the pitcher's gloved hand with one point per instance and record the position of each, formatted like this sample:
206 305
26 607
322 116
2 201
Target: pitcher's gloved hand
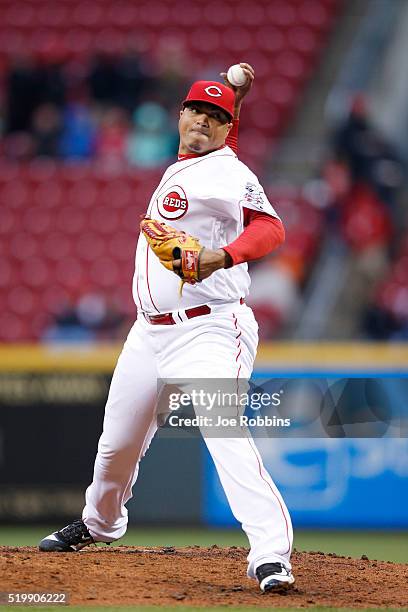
176 250
181 253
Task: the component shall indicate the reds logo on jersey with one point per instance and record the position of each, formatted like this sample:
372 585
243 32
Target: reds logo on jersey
172 203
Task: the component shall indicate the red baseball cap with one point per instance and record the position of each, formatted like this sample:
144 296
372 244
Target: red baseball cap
214 93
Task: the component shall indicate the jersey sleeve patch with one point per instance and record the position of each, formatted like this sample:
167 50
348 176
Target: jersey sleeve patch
254 198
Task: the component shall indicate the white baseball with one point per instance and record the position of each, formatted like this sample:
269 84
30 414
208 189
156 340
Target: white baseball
236 75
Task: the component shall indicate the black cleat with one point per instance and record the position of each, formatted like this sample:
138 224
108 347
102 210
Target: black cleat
71 538
274 577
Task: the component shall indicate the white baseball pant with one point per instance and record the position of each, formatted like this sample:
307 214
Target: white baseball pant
222 343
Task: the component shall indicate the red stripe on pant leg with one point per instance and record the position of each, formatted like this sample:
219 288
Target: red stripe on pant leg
274 494
258 460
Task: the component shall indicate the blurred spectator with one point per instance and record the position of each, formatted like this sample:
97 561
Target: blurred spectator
173 73
22 89
93 317
354 141
51 83
46 130
68 327
386 316
79 133
38 121
274 296
378 324
28 86
152 141
111 139
365 220
132 81
368 155
104 79
19 146
336 178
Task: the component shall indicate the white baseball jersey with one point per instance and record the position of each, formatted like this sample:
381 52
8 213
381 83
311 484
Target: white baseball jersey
205 197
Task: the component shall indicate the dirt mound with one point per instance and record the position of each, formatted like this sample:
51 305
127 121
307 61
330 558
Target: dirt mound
198 577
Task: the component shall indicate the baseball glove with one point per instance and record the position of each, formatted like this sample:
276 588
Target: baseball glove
170 244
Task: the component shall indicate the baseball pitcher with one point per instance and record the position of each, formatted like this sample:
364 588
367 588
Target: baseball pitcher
206 219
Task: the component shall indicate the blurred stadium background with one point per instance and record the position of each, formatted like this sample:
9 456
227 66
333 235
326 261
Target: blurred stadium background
89 100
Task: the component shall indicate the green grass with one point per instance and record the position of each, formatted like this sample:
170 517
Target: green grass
387 546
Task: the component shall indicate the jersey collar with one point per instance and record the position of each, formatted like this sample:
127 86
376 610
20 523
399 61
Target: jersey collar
193 155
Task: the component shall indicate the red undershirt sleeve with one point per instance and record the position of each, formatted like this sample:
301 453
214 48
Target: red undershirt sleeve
262 235
232 138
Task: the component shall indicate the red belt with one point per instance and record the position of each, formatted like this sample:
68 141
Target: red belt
167 318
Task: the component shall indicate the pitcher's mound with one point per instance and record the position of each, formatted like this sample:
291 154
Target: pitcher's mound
196 576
